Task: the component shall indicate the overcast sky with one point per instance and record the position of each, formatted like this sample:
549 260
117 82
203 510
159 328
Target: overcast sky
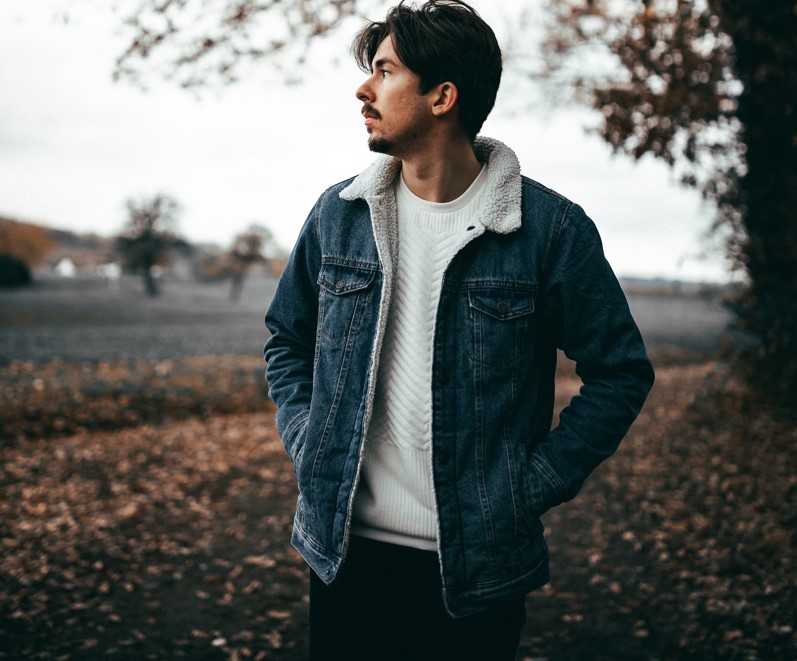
74 146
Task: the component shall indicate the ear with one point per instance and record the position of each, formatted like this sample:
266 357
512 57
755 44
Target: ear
444 98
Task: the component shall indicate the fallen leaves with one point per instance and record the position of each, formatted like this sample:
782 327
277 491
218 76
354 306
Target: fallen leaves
145 538
171 540
683 544
58 398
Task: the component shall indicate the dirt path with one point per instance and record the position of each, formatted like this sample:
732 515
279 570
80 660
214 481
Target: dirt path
172 542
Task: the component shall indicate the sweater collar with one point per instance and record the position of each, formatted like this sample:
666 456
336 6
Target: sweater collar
501 194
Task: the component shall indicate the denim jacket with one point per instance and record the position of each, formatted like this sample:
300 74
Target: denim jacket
529 279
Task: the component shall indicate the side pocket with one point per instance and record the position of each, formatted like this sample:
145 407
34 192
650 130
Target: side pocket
545 487
294 439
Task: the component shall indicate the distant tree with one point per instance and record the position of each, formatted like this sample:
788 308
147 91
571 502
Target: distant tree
149 236
14 272
26 243
710 87
254 246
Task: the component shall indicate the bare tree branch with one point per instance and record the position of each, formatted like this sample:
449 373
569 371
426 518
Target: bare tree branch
198 43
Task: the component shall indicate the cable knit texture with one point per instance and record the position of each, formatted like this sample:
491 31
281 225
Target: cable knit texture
395 501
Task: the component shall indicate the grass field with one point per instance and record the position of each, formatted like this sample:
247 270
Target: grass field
86 320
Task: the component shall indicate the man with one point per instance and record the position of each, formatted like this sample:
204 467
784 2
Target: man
413 347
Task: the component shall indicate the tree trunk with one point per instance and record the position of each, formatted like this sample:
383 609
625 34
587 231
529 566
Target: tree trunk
237 286
765 40
149 279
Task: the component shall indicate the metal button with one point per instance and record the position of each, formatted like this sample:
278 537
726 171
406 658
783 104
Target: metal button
340 284
503 308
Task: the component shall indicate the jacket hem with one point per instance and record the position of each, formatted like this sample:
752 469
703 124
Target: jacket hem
461 603
324 565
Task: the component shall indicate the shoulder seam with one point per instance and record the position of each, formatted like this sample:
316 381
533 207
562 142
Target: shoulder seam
544 189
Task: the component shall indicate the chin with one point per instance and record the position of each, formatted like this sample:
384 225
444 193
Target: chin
380 145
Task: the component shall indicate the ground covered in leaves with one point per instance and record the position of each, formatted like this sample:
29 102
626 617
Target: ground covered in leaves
57 398
166 535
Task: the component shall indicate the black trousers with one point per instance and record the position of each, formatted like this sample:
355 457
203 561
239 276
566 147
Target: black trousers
386 605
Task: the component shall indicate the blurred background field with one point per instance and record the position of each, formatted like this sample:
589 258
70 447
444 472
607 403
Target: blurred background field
83 353
88 319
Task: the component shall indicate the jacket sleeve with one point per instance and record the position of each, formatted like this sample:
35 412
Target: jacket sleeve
588 317
289 351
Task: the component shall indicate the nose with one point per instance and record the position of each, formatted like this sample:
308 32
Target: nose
364 92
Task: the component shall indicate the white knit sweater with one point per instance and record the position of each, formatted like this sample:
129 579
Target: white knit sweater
395 498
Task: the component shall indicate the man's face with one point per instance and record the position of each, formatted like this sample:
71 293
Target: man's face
397 115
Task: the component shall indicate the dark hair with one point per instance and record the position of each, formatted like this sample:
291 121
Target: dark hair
443 40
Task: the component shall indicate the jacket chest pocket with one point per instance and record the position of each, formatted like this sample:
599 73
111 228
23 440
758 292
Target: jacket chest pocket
501 320
344 292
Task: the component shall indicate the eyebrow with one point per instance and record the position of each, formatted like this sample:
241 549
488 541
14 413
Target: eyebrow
382 61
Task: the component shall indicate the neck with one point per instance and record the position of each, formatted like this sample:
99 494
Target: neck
442 174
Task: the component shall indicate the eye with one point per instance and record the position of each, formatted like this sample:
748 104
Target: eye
385 73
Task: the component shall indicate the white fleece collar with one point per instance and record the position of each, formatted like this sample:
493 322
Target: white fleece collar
502 190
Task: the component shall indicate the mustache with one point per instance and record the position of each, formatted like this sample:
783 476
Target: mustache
370 110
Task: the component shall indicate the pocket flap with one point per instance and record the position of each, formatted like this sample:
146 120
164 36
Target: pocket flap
502 303
339 279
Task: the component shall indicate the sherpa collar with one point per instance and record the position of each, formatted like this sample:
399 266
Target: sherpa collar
502 190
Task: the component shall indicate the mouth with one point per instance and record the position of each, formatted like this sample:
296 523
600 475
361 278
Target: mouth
371 114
